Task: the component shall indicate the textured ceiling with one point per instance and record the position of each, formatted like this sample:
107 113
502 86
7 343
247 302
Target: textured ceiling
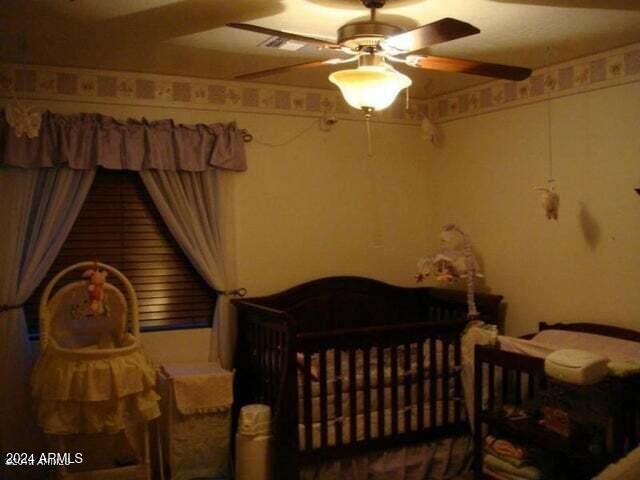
188 37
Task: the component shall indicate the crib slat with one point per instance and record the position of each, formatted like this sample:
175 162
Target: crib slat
337 395
323 399
491 385
394 390
380 370
632 434
306 395
445 382
505 385
518 388
260 343
353 395
366 359
269 363
407 387
457 387
433 385
420 383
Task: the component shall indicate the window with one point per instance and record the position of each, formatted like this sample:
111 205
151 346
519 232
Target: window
119 225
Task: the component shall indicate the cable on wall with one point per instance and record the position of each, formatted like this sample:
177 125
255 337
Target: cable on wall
324 124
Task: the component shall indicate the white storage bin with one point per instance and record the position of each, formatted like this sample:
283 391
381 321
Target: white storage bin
196 420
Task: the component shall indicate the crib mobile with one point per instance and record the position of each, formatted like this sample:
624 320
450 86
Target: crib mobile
453 262
92 375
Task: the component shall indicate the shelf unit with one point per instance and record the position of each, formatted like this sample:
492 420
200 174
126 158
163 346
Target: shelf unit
506 378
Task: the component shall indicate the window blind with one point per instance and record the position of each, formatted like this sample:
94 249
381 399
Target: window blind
119 225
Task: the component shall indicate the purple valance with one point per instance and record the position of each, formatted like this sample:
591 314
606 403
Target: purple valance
84 141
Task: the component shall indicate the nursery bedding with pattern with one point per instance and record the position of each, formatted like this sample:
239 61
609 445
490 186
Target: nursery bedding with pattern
444 388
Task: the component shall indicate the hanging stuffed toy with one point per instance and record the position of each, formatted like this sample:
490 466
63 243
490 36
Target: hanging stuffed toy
550 202
95 290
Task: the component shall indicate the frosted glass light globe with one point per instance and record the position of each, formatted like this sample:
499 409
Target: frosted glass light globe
372 87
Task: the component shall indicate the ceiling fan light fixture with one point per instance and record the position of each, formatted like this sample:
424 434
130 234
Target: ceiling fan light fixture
370 87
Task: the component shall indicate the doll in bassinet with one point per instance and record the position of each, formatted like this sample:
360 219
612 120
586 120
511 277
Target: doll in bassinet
94 313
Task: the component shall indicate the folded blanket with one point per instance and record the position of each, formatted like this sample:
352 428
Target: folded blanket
504 448
500 466
513 461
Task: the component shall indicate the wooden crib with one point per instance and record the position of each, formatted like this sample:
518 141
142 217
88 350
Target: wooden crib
351 364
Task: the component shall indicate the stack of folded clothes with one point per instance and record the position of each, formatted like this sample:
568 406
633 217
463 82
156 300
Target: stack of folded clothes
503 460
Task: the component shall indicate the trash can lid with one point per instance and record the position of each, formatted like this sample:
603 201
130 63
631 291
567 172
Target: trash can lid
255 420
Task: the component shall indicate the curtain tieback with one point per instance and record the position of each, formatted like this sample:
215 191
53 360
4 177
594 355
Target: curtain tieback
6 308
239 292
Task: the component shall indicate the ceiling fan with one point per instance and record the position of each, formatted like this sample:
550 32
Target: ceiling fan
373 44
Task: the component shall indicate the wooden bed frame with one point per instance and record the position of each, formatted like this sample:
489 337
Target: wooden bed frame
523 381
349 317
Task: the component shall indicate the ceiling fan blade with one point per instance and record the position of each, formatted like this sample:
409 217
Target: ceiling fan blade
604 4
437 32
288 68
278 33
495 70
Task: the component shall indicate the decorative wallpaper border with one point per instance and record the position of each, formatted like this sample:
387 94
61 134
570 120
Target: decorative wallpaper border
606 69
74 84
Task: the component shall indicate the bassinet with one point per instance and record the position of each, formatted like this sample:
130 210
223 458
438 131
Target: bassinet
92 376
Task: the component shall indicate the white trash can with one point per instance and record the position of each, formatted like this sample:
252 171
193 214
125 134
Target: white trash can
253 443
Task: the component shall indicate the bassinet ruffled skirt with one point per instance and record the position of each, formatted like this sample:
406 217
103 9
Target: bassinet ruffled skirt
94 390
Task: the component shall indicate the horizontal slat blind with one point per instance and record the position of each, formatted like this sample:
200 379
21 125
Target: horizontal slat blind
119 225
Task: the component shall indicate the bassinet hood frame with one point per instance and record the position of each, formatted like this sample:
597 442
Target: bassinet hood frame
45 314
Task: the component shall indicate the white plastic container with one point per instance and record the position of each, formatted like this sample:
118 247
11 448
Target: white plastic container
253 443
576 366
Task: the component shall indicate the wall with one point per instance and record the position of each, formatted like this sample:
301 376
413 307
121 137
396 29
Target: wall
585 266
308 209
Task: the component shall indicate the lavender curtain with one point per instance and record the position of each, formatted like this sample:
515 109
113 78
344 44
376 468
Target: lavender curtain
39 208
85 141
198 209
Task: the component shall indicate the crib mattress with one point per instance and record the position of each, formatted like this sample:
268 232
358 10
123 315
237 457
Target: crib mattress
361 422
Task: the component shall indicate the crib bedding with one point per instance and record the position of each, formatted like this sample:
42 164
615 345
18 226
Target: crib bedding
373 396
345 420
446 458
372 367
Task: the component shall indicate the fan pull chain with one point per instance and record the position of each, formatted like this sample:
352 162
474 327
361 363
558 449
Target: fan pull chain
407 98
374 200
369 145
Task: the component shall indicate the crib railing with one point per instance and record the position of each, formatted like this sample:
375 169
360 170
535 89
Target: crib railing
265 341
389 385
